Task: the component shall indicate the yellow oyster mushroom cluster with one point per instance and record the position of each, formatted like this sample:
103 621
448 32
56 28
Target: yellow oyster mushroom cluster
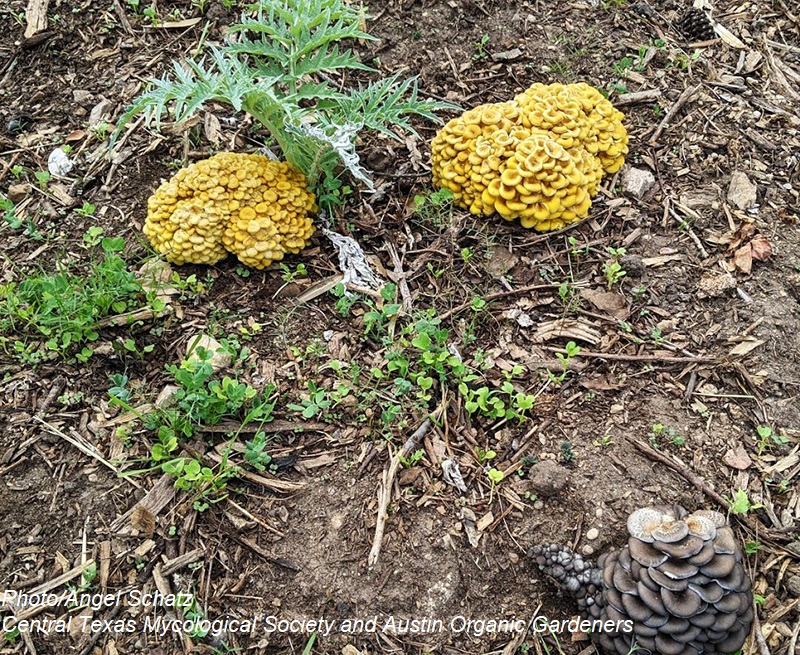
539 157
246 204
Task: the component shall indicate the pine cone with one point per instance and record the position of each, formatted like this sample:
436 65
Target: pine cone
696 26
680 580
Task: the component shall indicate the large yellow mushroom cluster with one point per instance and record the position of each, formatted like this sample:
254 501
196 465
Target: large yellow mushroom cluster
539 157
246 204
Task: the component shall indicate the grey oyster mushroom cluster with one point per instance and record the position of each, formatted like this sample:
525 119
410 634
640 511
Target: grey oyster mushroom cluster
680 579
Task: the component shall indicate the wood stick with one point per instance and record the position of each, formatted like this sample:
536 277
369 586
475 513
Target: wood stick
494 296
387 481
648 95
638 358
680 102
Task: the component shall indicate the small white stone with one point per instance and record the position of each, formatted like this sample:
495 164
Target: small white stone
592 534
638 181
587 550
220 358
58 163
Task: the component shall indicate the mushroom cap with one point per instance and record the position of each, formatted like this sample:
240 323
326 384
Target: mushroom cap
683 549
704 555
724 542
701 526
682 604
710 593
650 598
677 569
668 646
719 567
622 580
663 580
642 523
717 518
670 530
675 626
636 608
645 553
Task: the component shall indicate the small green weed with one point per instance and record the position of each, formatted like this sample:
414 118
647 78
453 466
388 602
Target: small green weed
658 431
413 459
612 269
86 210
288 275
568 455
572 350
42 179
434 207
9 213
480 48
766 435
740 504
63 310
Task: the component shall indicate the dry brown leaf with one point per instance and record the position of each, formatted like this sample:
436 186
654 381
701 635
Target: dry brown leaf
612 303
761 248
737 458
211 128
325 459
599 383
75 135
743 259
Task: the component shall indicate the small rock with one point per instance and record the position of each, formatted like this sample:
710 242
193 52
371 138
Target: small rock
715 283
100 113
82 97
793 585
538 504
547 478
638 181
587 550
18 192
58 163
508 55
220 358
592 534
741 192
633 264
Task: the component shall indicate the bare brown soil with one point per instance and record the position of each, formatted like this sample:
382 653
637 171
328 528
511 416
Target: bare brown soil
686 340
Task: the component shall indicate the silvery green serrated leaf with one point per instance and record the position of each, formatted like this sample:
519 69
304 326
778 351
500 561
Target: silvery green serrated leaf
341 139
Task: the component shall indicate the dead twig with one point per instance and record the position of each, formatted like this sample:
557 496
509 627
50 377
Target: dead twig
680 102
387 481
763 648
86 448
664 359
494 296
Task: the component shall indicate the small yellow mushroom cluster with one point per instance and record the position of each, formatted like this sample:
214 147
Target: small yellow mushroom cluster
539 157
246 204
